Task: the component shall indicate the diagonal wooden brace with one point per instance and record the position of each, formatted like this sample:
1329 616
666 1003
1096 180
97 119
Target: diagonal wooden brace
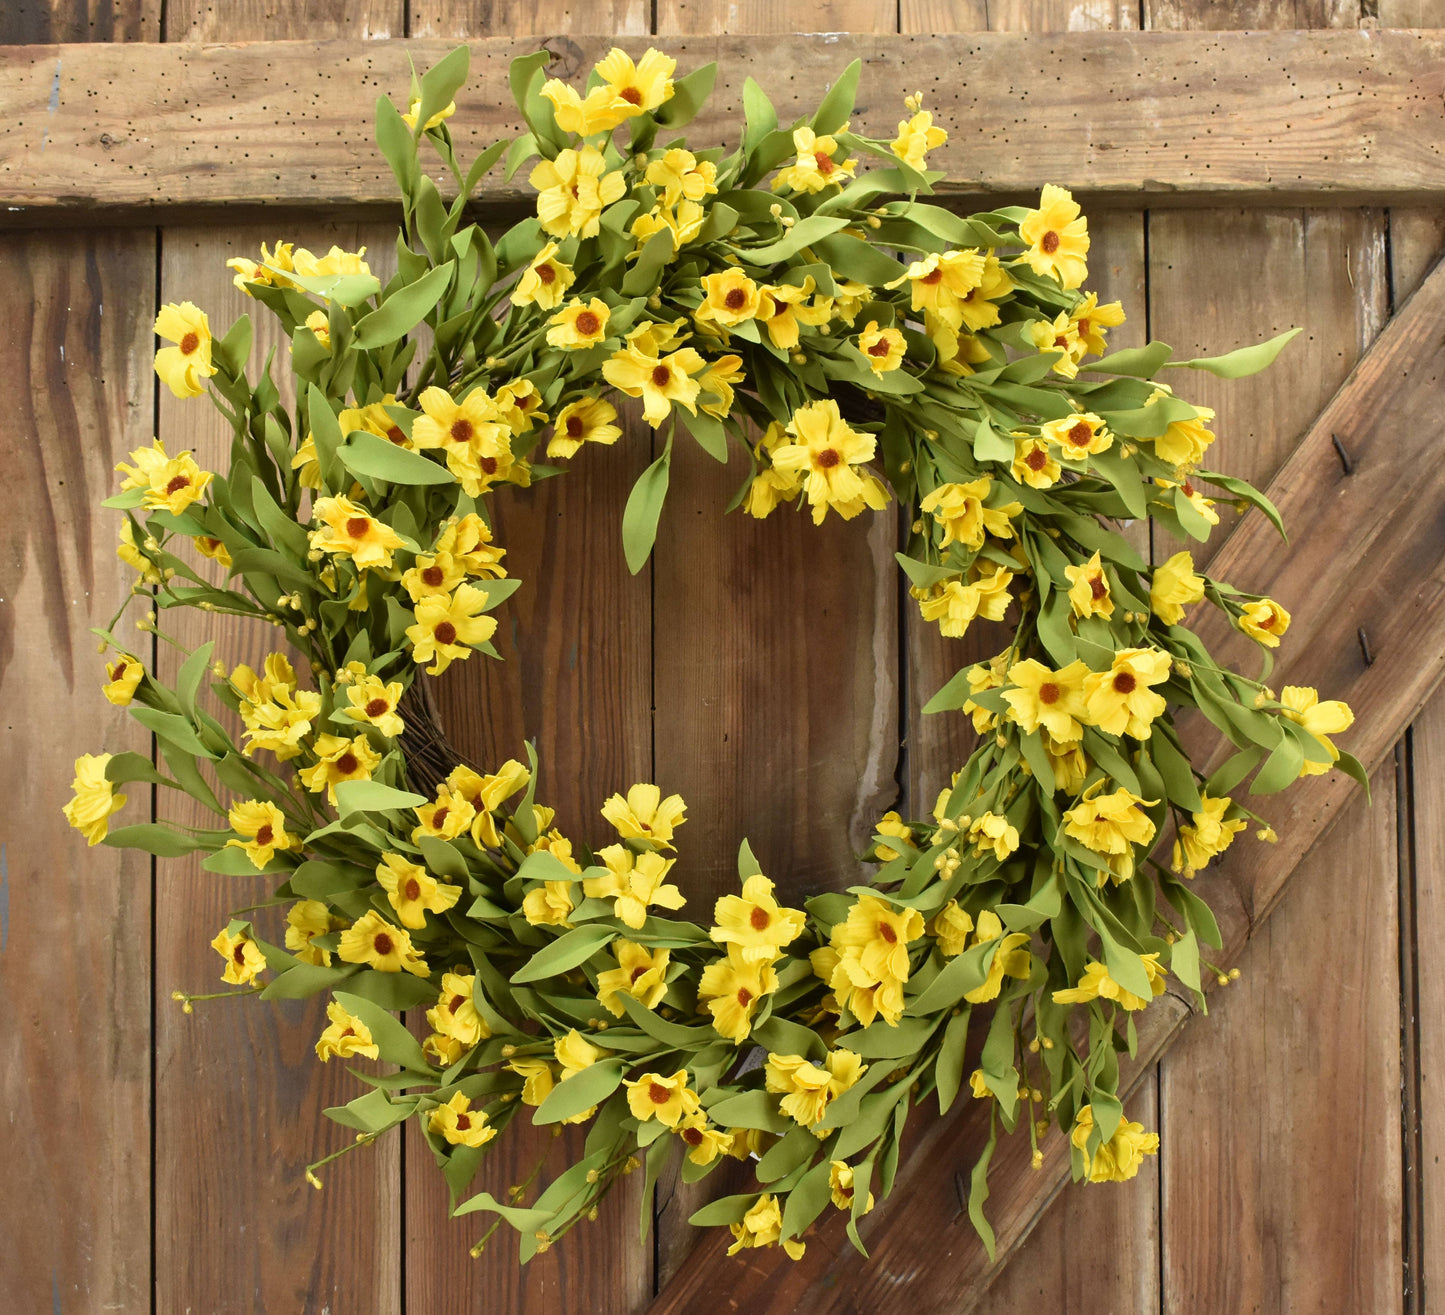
1364 577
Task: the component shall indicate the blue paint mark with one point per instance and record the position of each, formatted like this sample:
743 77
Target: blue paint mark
54 103
54 1293
572 657
4 897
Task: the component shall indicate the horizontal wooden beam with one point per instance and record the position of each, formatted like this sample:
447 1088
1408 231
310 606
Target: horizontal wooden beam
1367 558
1329 117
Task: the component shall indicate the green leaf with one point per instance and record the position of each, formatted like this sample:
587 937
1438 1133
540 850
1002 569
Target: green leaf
1244 361
952 696
404 309
751 1109
1282 767
808 1199
155 838
568 951
378 458
856 259
725 1210
124 767
372 797
303 980
522 1219
1137 362
978 1188
689 95
838 104
802 234
748 866
948 1069
398 1046
344 289
989 444
441 82
643 510
392 990
581 1091
374 1112
760 116
173 727
1184 962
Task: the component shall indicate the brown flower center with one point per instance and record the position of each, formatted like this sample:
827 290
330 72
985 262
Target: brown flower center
464 1122
1037 459
1097 587
397 435
1082 327
239 954
412 889
546 274
575 427
376 707
1081 434
824 162
631 95
888 934
178 483
1124 682
760 918
433 576
462 431
357 526
265 835
189 343
439 818
1048 692
660 376
879 348
1266 621
658 1094
1049 243
588 323
744 996
933 276
488 465
446 633
827 459
636 973
692 1136
736 299
382 943
457 1001
347 763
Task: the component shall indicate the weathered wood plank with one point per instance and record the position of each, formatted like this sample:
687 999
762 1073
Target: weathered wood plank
239 1093
577 681
1389 509
23 22
268 20
772 17
75 923
1256 116
459 19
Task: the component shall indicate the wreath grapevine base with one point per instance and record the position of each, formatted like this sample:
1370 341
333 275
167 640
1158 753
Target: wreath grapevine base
855 345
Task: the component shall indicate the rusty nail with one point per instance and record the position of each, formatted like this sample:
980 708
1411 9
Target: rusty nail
1365 647
1345 460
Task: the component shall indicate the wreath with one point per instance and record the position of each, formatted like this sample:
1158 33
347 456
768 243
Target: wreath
858 346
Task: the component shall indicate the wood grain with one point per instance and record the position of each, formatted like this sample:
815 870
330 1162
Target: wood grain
270 20
1396 487
1331 115
462 19
577 681
772 17
239 1093
75 923
30 22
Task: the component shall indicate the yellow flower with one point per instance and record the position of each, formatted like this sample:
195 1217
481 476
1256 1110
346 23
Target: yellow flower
1173 587
458 1123
782 310
1207 834
264 827
978 1084
455 1014
990 831
447 629
375 703
1096 984
891 824
878 934
634 882
346 529
803 1086
840 1173
681 223
754 923
335 261
409 118
375 419
1118 1159
955 605
1185 442
960 509
916 137
668 1100
717 381
1264 621
1122 700
1010 959
829 452
884 348
729 298
345 1037
413 891
600 111
644 85
1092 323
575 1053
1034 463
1204 506
305 921
244 960
374 941
659 381
487 793
469 541
682 176
1302 705
183 366
537 1079
545 281
579 325
339 759
941 283
1058 238
704 1143
762 1226
1071 767
212 548
95 798
1090 594
445 817
171 483
771 487
573 190
1111 825
549 905
645 815
1051 699
640 973
815 168
587 421
476 443
732 988
950 928
123 676
252 271
1078 436
320 326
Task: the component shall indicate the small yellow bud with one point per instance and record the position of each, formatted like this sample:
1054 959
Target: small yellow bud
1034 1046
1037 1095
477 1250
591 1175
1223 979
1048 1043
508 1050
1038 1159
874 222
1041 1128
1183 670
592 1215
800 358
313 1180
1234 974
1268 835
